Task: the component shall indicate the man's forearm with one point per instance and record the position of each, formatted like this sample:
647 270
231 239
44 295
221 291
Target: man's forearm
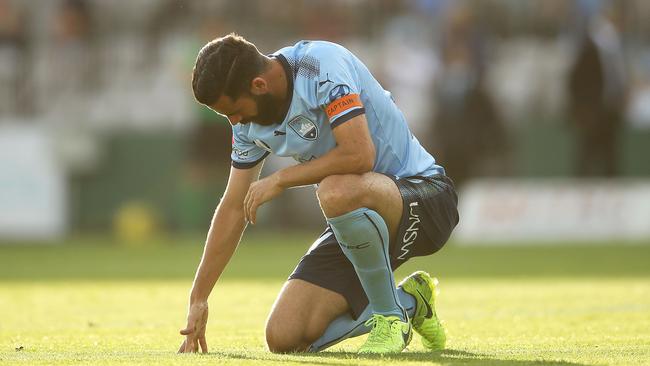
226 230
336 161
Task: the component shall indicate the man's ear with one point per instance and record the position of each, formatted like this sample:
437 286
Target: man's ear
259 86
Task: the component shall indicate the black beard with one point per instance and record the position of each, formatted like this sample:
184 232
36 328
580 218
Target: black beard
269 109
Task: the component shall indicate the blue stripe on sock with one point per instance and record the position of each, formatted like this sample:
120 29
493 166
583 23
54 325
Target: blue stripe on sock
383 252
337 340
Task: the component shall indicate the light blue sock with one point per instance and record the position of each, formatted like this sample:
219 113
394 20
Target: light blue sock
345 327
363 237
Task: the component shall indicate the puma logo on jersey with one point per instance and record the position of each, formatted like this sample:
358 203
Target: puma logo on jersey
327 80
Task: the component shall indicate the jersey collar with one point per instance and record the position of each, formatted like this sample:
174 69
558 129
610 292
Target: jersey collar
289 74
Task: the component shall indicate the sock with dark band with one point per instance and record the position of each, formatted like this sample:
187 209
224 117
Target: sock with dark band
363 236
345 326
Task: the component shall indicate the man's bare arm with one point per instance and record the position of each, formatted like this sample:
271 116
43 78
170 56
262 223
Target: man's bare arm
354 154
226 230
227 226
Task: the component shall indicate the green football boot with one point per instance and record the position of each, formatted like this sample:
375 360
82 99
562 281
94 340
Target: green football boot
425 321
389 334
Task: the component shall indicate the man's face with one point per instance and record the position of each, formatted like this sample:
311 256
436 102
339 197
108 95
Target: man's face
263 109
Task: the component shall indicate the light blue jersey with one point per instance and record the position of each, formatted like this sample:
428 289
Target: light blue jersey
330 86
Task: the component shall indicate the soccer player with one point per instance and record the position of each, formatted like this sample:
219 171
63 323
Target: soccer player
384 197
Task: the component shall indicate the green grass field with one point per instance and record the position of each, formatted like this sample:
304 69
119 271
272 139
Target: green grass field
91 302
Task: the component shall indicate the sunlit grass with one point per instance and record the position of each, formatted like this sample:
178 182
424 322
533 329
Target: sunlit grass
103 305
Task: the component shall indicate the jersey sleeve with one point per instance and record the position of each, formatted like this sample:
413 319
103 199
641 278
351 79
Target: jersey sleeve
338 90
245 154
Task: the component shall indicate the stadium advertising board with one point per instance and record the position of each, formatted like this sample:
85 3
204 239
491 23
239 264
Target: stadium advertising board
530 211
32 185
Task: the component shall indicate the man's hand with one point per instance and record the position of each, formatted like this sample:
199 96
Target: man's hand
194 332
260 192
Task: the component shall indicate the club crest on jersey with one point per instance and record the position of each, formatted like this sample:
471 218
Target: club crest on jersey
304 128
263 145
339 91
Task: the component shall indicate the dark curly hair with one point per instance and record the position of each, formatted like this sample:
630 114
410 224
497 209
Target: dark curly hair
226 66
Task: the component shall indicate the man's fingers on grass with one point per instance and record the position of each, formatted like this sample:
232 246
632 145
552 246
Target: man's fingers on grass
204 344
188 347
181 349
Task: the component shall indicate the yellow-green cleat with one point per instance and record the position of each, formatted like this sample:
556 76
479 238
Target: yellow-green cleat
425 321
389 334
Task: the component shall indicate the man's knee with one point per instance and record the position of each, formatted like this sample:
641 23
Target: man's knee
285 337
279 339
339 194
300 316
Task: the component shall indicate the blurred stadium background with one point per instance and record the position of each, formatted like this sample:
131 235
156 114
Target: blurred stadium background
100 133
538 109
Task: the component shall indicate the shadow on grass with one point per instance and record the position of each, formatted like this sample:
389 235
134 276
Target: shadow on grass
446 357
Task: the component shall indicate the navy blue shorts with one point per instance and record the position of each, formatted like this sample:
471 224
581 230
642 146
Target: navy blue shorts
428 218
